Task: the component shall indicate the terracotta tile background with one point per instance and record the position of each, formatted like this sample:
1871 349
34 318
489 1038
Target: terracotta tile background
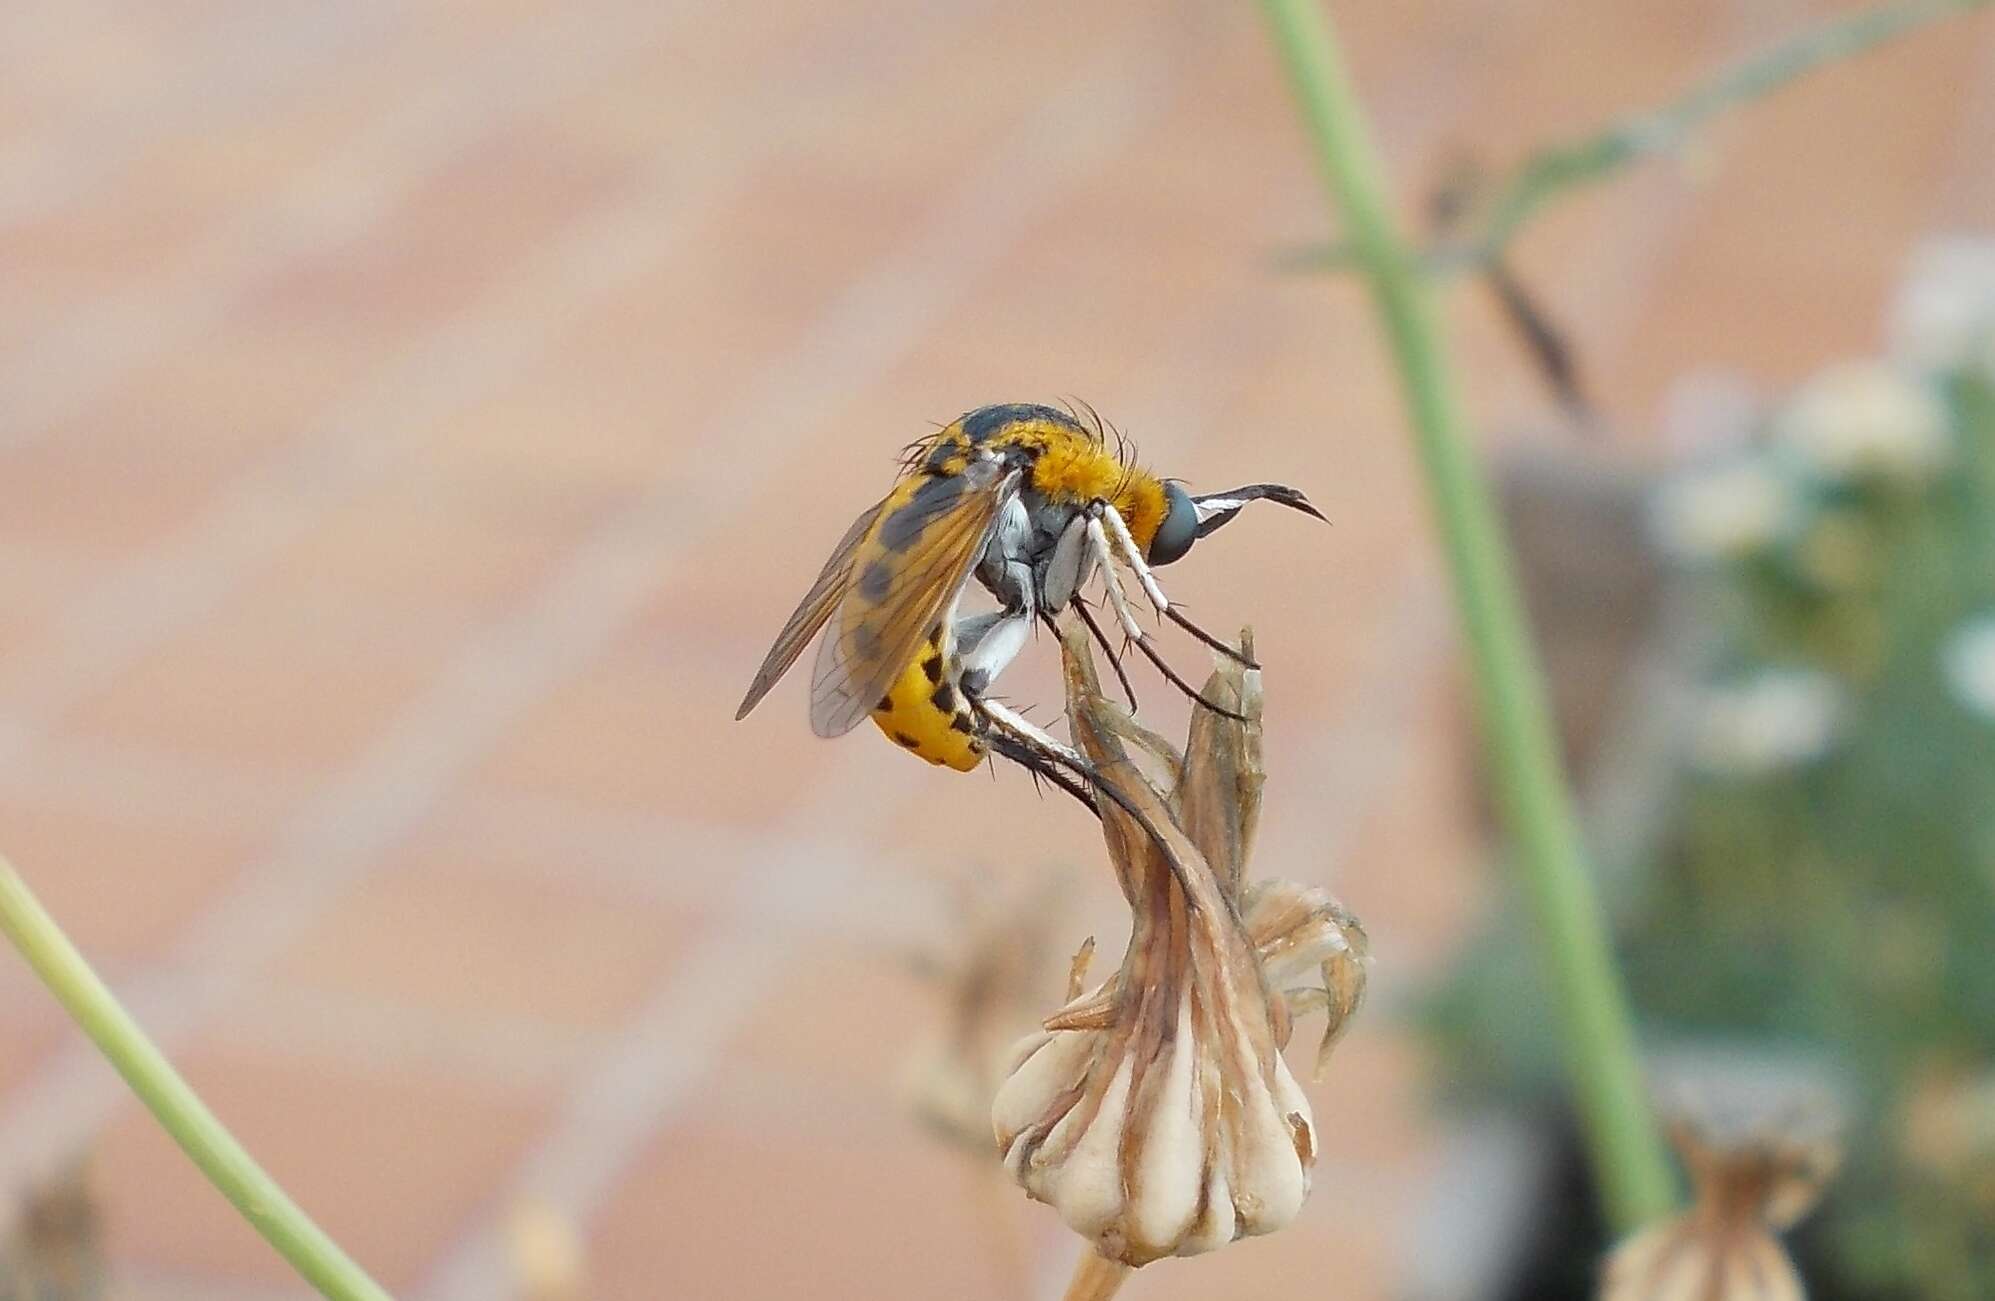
414 420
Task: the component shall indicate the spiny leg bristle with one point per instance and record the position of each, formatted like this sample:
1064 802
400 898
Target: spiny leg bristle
1151 653
1177 616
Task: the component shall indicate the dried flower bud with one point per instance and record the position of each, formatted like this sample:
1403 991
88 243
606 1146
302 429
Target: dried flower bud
1155 1112
1752 1178
994 975
1299 931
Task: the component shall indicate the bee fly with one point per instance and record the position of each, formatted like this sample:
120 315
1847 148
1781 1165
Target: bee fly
1034 504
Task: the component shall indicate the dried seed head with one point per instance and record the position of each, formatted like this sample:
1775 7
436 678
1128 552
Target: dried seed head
994 977
1755 1172
1302 932
1154 1112
1679 1261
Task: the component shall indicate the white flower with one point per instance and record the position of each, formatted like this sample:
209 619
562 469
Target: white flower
1723 512
1773 720
1968 659
1866 420
1944 317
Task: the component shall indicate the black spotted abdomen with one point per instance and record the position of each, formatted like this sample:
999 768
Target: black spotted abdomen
924 712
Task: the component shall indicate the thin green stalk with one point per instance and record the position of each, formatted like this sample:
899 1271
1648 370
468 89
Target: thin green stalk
179 1110
1629 1160
1551 172
1557 170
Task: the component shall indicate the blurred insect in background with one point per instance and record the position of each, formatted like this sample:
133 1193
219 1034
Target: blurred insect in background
1034 503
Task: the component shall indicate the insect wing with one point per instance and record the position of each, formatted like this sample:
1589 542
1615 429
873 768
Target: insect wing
928 536
810 614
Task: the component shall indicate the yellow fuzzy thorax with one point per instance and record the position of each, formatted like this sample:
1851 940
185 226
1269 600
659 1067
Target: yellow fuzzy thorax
1075 468
1072 464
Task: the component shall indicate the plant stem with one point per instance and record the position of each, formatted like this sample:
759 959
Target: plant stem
1552 171
179 1110
1096 1278
1630 1164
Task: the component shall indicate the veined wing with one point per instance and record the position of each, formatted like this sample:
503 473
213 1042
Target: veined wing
928 536
811 612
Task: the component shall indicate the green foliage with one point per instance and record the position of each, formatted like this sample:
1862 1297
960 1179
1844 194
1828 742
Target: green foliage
1829 878
1844 892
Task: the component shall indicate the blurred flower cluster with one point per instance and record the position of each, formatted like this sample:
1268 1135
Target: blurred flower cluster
1823 876
1830 878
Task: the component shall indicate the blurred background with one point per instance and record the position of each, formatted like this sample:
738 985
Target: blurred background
416 420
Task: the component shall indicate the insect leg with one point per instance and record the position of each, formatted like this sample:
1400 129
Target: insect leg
1114 657
1009 575
1119 600
1009 726
995 649
1179 618
1068 567
1171 675
1011 723
1041 767
1130 555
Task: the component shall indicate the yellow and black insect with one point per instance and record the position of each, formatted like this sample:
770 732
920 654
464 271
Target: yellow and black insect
1033 503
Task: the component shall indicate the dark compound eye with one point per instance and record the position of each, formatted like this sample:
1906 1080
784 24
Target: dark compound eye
1179 529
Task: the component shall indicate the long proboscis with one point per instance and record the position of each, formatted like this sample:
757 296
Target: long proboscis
1215 509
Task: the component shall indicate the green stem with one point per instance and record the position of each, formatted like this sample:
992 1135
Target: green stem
179 1110
1631 1165
1553 171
